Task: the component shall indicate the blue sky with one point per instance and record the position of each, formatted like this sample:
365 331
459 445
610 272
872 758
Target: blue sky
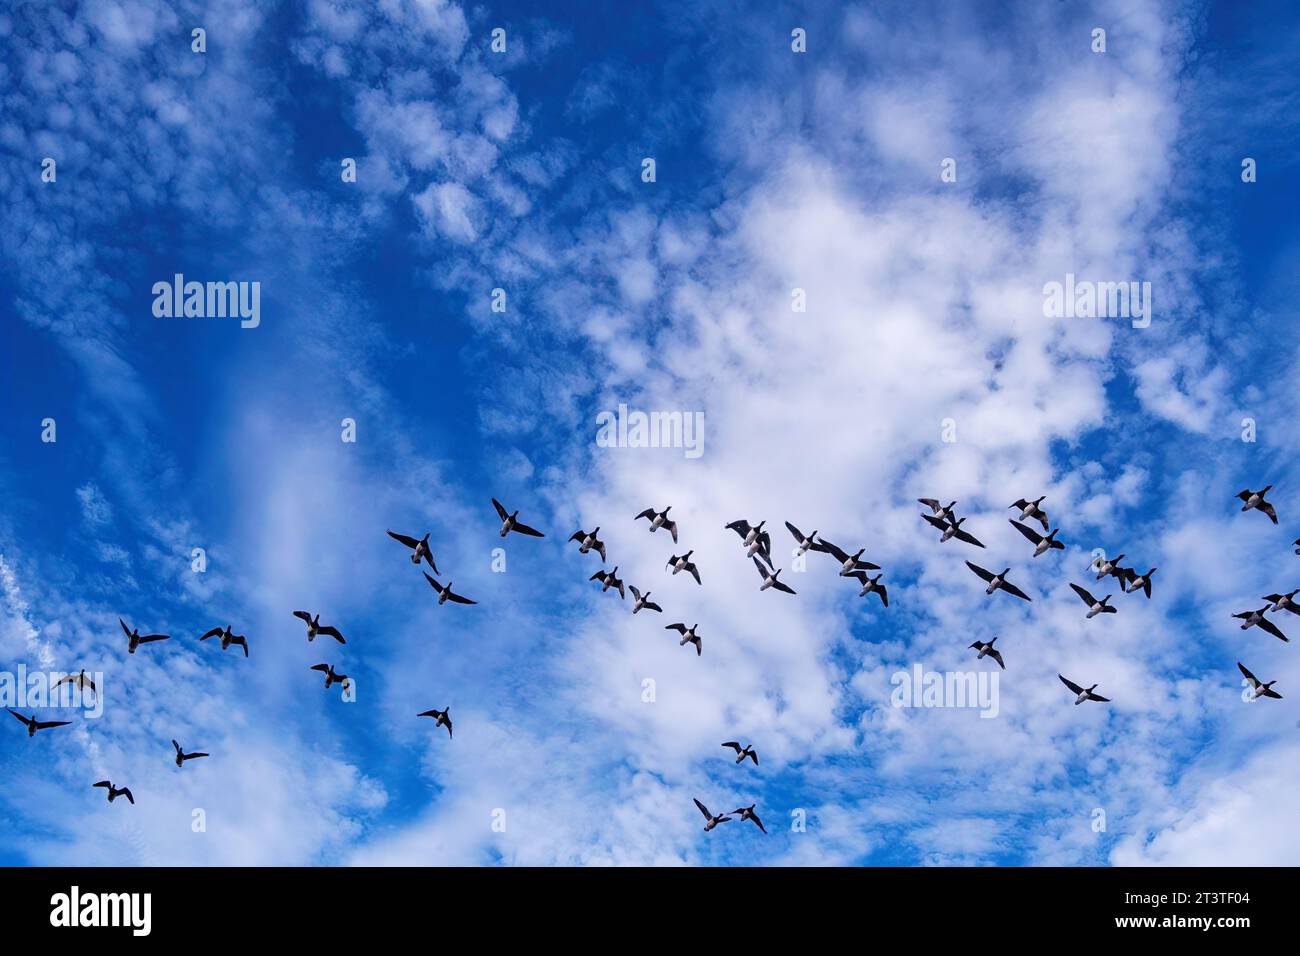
521 171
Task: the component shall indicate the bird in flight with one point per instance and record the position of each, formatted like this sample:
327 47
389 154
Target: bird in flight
997 581
419 548
1255 500
757 541
332 677
1095 607
34 725
79 681
314 627
1258 689
445 593
712 820
510 522
1284 602
137 639
609 579
115 792
1104 566
952 529
1082 694
1031 509
1042 543
939 510
986 649
742 752
747 813
588 541
1257 619
441 718
848 562
643 601
806 542
227 638
769 579
688 636
659 520
683 563
1140 582
871 584
182 756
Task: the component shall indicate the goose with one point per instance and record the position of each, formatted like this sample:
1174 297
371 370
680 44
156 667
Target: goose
609 579
1257 619
1281 602
997 581
1095 607
79 681
659 520
314 627
587 542
848 562
986 649
1255 499
742 752
688 636
1258 689
1031 509
757 541
510 522
446 594
683 563
643 601
332 677
769 579
441 718
747 813
1083 694
115 792
227 638
712 820
1143 581
806 542
1296 543
34 725
419 548
137 639
952 529
871 584
1104 566
939 510
1042 544
182 756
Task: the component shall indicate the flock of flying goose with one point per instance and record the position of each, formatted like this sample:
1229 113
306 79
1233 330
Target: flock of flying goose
757 545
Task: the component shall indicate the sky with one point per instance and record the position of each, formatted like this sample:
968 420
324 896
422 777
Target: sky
838 266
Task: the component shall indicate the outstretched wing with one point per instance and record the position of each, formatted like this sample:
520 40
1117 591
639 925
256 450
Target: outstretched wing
334 633
459 598
1249 676
648 514
406 539
1099 698
1084 596
1012 589
1028 532
679 628
107 784
1071 684
126 792
302 615
323 668
150 638
997 656
986 575
798 535
652 606
47 724
672 529
212 633
695 572
1272 628
754 816
703 809
432 583
782 586
501 511
733 744
524 529
968 538
741 527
